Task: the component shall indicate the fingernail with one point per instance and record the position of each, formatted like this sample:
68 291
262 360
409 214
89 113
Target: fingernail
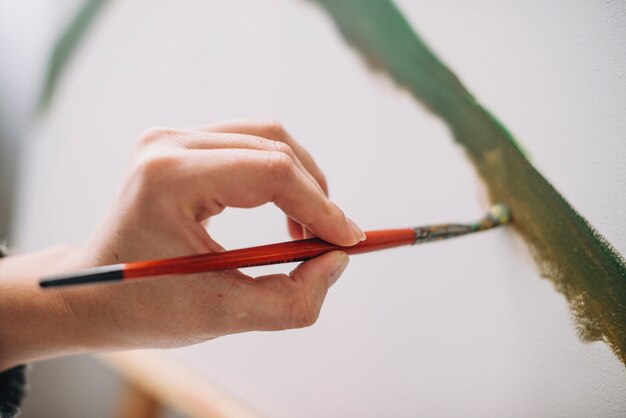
340 267
358 233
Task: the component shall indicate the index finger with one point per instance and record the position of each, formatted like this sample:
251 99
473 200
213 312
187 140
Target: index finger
270 129
247 178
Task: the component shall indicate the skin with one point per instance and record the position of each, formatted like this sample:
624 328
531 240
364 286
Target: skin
178 180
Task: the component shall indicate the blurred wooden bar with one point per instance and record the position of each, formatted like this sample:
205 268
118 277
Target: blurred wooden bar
136 403
156 381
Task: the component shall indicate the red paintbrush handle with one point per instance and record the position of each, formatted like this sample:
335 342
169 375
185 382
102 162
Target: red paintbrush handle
284 252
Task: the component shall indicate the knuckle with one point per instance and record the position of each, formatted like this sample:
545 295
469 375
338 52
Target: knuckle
273 128
310 318
304 307
279 164
153 166
284 148
303 313
155 134
331 212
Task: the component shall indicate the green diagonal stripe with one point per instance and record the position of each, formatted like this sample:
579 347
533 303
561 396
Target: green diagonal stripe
575 257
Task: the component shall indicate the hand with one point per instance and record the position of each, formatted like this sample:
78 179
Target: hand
178 180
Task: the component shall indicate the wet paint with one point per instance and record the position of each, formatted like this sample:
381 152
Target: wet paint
581 263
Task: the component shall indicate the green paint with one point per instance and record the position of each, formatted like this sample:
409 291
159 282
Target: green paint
66 45
579 261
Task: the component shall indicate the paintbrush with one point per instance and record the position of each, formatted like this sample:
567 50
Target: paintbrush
285 252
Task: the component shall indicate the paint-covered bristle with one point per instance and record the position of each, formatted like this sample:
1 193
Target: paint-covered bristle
500 214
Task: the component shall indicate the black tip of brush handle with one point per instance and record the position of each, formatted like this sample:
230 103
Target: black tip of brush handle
94 275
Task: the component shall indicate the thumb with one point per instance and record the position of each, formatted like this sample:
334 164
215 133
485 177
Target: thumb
329 266
283 301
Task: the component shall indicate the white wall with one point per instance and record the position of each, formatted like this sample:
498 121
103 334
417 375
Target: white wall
461 328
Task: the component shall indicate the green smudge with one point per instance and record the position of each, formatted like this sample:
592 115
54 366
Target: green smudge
66 45
576 258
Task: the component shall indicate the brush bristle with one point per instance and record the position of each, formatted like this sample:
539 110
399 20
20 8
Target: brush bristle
500 213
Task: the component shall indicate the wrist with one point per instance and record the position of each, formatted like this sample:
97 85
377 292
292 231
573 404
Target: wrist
35 323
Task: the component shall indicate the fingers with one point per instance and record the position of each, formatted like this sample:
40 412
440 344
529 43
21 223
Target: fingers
248 178
282 301
273 130
309 213
204 140
223 140
250 136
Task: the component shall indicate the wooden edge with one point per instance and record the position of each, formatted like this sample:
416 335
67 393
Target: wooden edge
175 385
136 403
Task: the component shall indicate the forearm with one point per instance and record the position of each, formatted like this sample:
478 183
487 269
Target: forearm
34 324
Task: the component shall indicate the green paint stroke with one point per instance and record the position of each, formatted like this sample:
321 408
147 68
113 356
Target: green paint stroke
575 257
65 46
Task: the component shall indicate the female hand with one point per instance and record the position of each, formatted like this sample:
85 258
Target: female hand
178 180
